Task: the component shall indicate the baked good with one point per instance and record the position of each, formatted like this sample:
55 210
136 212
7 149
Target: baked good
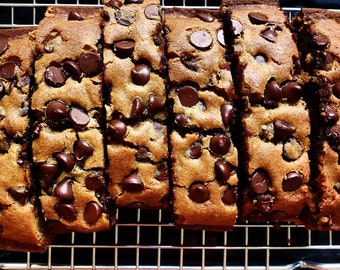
274 120
136 104
319 46
68 145
201 92
21 226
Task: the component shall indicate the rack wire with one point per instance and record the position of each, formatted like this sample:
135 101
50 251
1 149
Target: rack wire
147 239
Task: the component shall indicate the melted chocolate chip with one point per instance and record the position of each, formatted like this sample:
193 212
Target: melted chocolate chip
237 27
54 76
82 150
199 192
95 181
259 182
79 118
125 16
137 109
336 89
182 120
201 40
320 40
195 150
117 129
74 16
227 113
124 47
20 194
188 95
56 112
190 62
142 154
133 2
3 45
220 37
89 62
2 90
333 136
323 60
92 212
292 181
223 171
230 196
292 91
133 183
73 69
154 104
270 32
67 211
162 172
282 130
7 70
115 4
257 18
272 94
140 74
329 114
264 202
204 16
64 190
219 144
151 12
48 172
66 161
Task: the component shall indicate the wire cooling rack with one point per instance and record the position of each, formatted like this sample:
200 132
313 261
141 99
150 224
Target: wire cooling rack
147 239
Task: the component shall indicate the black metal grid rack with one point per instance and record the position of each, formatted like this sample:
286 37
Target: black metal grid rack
147 239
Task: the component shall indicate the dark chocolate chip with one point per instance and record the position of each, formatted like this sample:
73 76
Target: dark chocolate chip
182 120
142 154
323 60
292 181
25 81
92 212
133 183
260 58
64 190
162 172
115 4
220 37
337 187
329 114
117 129
292 91
20 194
320 40
82 149
264 202
282 130
137 109
140 74
67 211
219 144
223 171
201 39
54 76
237 27
257 18
227 113
270 32
154 104
89 62
48 172
79 118
336 89
125 16
195 150
124 47
106 15
230 196
272 94
199 192
56 112
188 95
66 161
151 12
133 2
333 136
7 70
3 45
73 69
95 181
190 62
2 90
204 16
74 16
259 182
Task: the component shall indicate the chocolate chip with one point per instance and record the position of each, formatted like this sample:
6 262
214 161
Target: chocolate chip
154 104
336 89
329 114
115 4
220 37
320 40
270 32
66 210
282 130
204 16
106 15
125 16
20 194
272 94
323 60
48 172
292 181
25 81
195 150
230 196
79 118
259 182
137 109
190 62
188 95
124 47
133 183
257 18
333 136
74 16
95 181
237 27
3 45
73 69
227 113
162 172
64 190
66 161
82 149
2 90
133 2
142 154
199 192
7 70
260 58
223 171
89 62
56 113
117 129
140 74
201 39
92 212
292 149
151 12
264 202
292 91
54 76
182 120
219 144
337 187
